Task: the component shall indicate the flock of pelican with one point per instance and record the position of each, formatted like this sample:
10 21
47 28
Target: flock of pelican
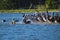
38 18
41 17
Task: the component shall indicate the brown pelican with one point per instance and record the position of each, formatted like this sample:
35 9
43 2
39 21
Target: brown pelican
13 21
52 18
3 20
26 20
44 17
57 18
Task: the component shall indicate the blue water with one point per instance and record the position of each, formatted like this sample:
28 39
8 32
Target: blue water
27 31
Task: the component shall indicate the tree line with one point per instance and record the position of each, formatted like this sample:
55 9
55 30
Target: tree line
26 4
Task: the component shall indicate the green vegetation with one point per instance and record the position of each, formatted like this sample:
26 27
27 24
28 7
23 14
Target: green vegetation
25 4
29 6
47 3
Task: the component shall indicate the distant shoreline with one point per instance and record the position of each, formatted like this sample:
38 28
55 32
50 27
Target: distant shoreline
29 10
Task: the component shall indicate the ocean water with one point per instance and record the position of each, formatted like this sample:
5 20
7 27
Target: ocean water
27 31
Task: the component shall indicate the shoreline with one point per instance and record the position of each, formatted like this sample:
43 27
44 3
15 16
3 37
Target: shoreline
27 10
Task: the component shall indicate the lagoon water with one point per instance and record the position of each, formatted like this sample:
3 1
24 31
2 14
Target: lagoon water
27 31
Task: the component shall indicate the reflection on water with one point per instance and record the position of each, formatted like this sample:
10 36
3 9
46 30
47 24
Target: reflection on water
28 31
